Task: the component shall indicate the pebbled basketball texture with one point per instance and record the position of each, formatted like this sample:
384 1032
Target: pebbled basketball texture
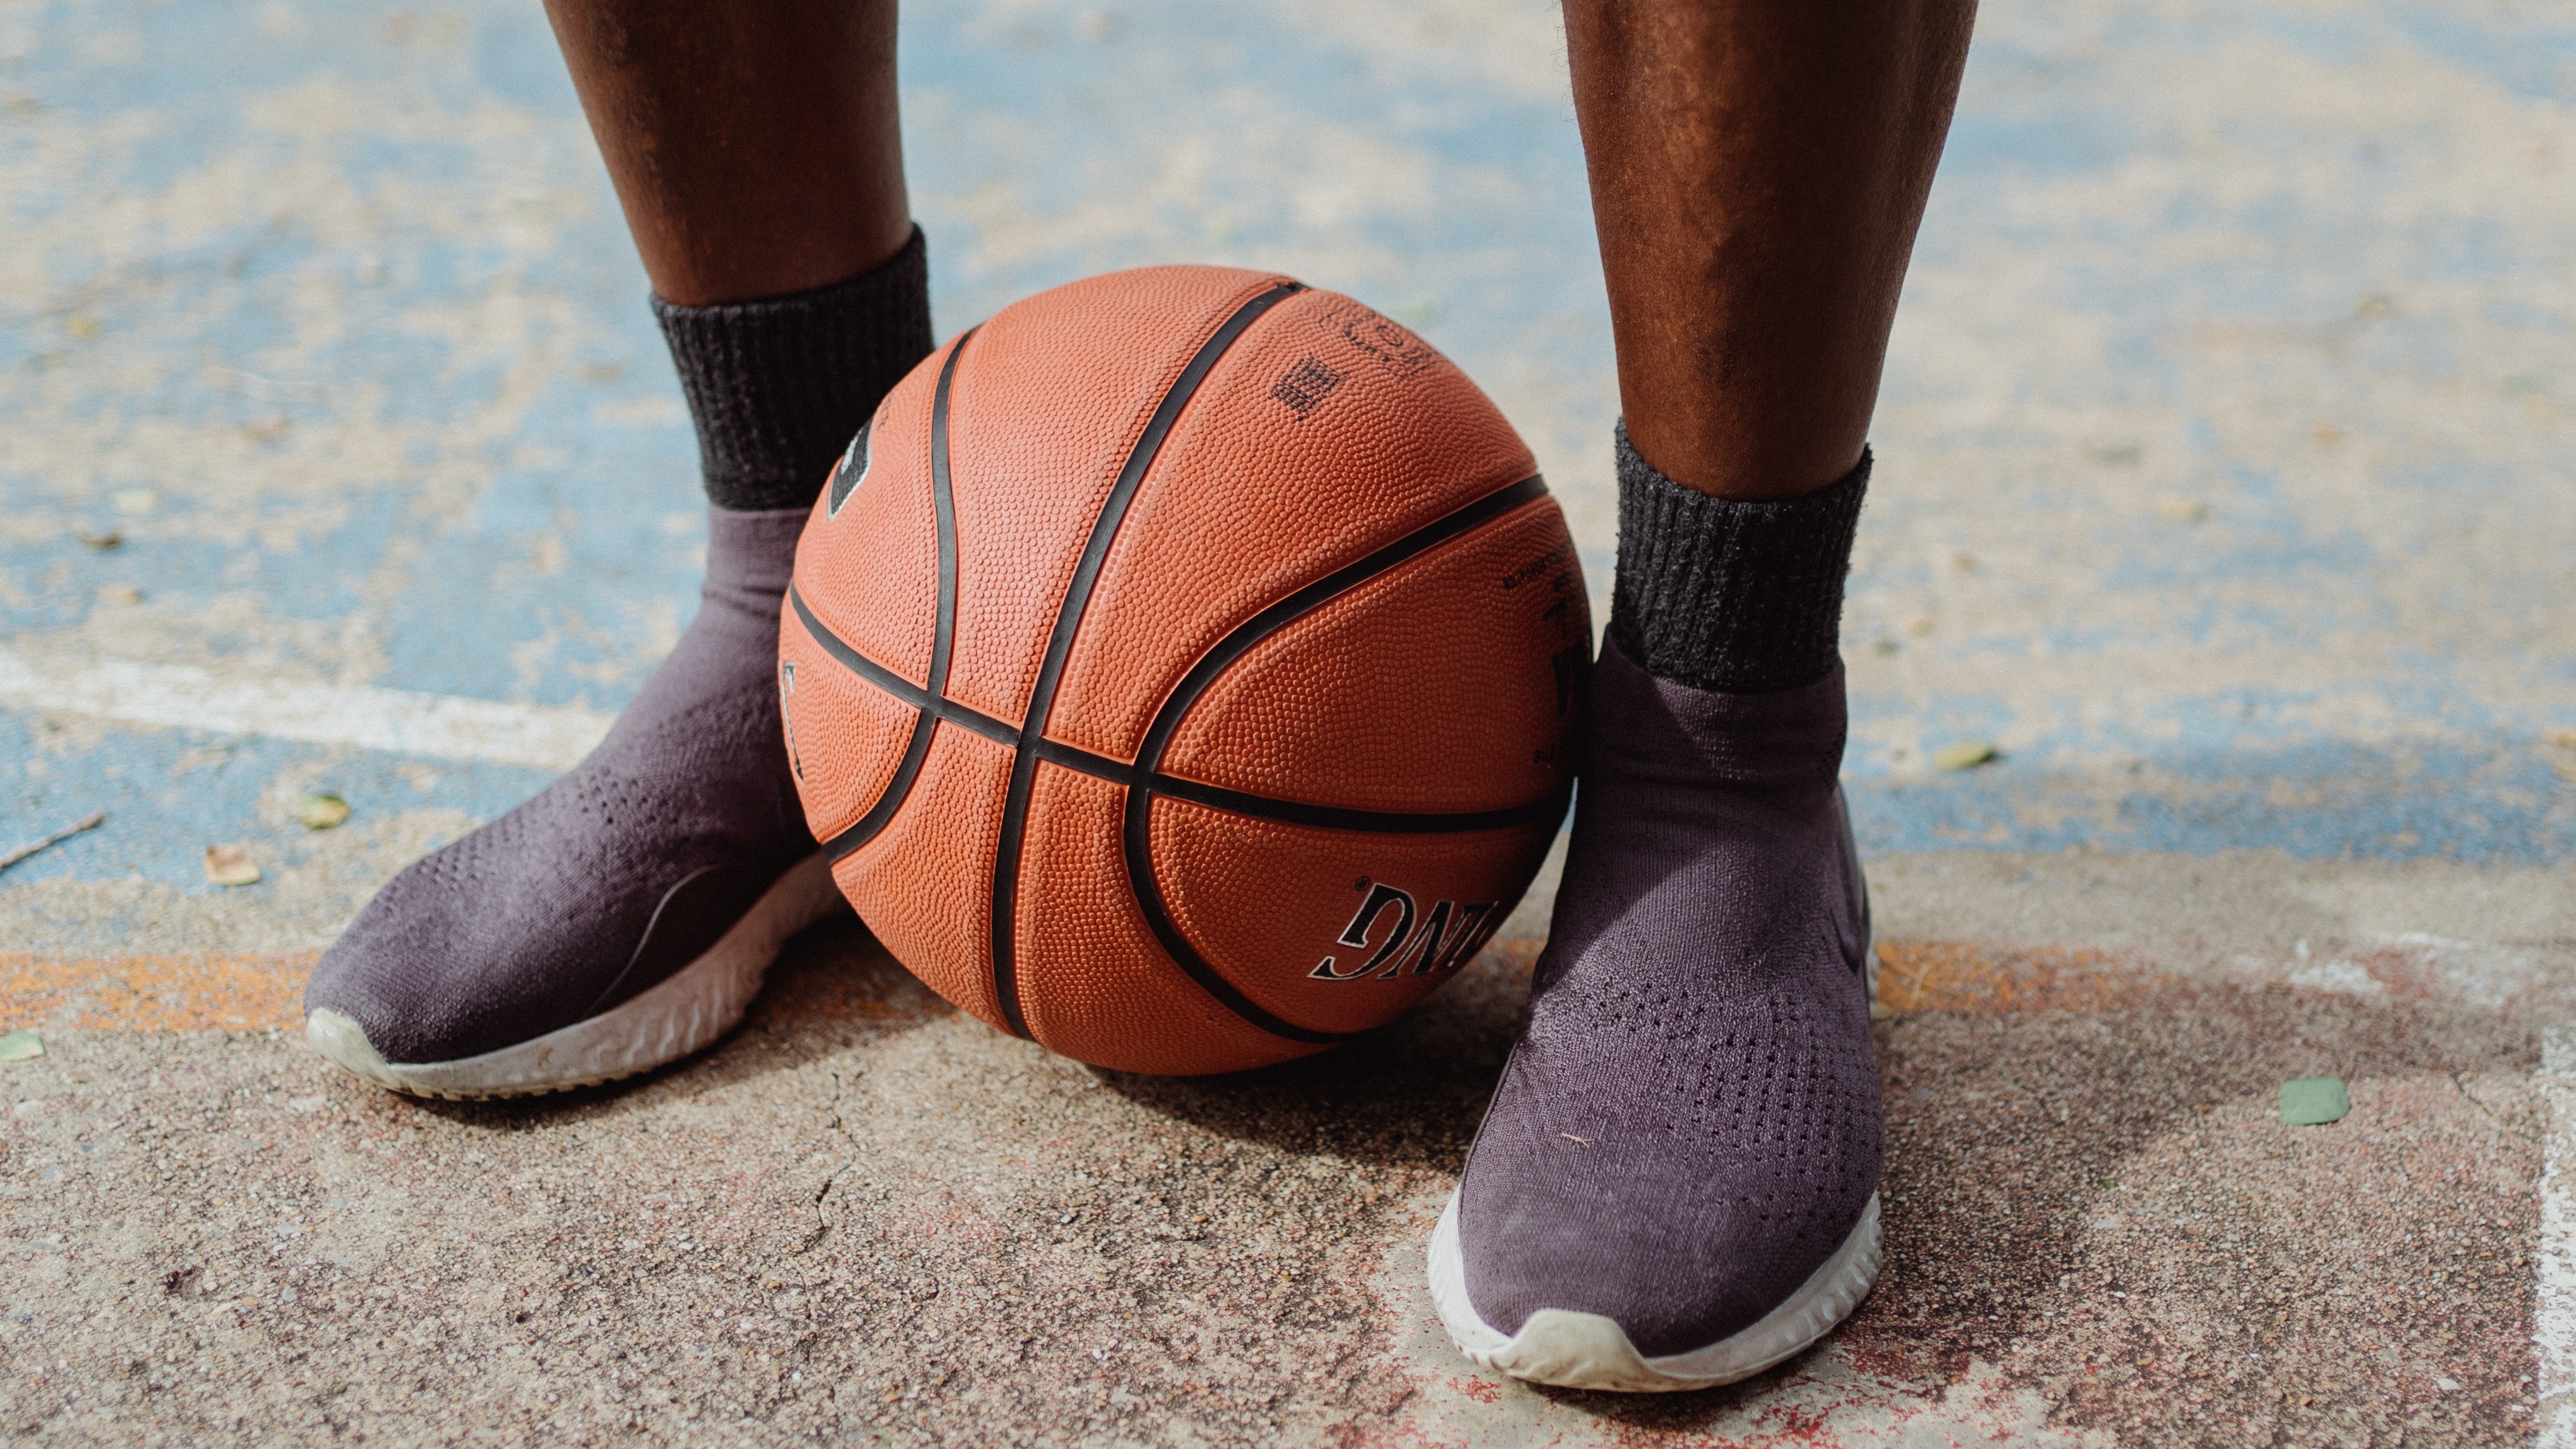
1181 669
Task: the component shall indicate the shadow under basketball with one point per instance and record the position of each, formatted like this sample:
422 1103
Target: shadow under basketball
1406 1094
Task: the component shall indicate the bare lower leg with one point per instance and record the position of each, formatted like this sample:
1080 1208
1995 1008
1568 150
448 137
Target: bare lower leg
755 147
1758 172
1675 1184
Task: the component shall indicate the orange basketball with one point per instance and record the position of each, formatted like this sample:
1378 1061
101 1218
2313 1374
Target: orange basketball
1180 667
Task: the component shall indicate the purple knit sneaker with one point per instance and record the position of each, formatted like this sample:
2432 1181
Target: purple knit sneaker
624 916
1676 1184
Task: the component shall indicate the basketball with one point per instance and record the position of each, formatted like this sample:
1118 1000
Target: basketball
1181 669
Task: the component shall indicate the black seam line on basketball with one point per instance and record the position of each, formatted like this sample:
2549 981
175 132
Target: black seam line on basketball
1294 812
1167 720
1068 618
1334 817
942 632
1116 772
943 509
898 686
1224 652
895 684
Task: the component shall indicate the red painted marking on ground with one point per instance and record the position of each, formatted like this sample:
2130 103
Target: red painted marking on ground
208 992
1971 976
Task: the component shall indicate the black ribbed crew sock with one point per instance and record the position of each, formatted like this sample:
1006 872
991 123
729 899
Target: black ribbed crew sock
778 386
1737 597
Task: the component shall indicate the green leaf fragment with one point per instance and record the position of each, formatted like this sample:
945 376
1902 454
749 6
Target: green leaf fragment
321 812
2314 1101
21 1046
1965 755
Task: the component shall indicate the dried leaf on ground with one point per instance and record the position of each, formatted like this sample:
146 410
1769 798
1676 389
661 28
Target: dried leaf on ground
230 865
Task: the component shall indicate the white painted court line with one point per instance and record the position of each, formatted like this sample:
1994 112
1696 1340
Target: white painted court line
181 696
2554 1320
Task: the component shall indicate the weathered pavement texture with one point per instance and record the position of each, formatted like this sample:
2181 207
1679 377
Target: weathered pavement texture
2222 490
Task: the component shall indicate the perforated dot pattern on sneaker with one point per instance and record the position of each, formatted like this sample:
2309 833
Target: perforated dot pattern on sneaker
1691 1123
535 920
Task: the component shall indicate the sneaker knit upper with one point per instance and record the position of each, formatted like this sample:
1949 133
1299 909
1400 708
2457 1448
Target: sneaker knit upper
1691 1124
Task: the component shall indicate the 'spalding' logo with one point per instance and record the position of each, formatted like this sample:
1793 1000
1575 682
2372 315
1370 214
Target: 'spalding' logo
1442 939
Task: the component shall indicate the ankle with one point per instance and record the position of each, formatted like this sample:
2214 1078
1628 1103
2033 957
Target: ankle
1719 594
750 555
778 386
1645 728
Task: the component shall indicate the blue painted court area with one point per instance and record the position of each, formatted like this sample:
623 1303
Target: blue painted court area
2223 480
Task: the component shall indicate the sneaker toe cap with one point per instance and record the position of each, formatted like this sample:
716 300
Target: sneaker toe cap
1680 1238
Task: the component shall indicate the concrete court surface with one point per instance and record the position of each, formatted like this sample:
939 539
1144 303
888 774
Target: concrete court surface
2222 490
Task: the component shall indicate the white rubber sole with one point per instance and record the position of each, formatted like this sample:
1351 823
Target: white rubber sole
1589 1351
700 1003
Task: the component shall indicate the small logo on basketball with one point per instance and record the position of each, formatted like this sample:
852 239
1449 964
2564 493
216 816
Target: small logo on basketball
850 472
1398 351
1307 384
1557 566
1567 610
787 714
1446 938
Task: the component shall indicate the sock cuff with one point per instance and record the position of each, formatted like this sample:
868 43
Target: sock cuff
1744 597
778 386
